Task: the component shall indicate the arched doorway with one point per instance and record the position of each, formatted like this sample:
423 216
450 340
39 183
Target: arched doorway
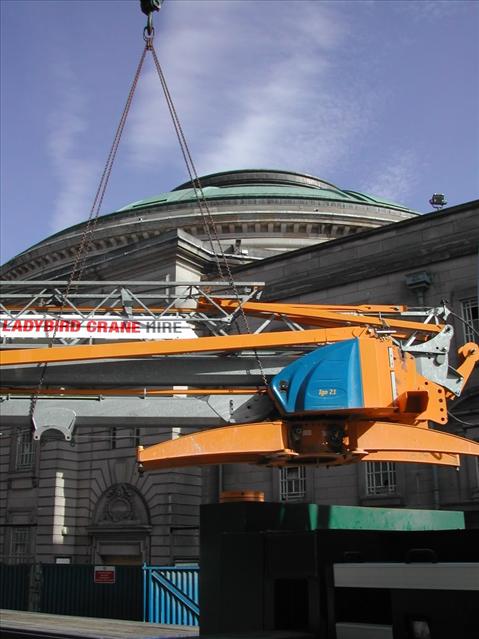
121 527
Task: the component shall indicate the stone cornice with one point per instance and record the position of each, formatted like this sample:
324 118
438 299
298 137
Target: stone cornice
276 218
408 245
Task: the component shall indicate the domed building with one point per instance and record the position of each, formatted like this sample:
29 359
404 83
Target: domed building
257 214
306 240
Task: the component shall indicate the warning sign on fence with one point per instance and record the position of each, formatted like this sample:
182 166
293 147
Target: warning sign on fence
104 574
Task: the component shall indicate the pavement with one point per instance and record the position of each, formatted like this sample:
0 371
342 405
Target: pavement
20 624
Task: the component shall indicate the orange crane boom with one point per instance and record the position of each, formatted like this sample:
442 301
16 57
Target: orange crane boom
365 383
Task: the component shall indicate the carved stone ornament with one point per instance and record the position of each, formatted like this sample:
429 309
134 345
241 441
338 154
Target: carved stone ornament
119 504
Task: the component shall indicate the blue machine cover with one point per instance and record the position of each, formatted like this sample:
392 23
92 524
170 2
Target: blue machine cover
327 379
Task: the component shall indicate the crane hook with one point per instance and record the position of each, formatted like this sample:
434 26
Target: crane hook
148 7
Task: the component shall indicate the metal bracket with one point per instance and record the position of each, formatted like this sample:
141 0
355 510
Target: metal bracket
61 419
126 301
432 360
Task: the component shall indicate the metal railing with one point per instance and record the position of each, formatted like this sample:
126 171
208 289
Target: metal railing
52 315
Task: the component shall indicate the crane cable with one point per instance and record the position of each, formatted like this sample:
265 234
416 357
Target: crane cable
148 7
87 234
206 215
208 221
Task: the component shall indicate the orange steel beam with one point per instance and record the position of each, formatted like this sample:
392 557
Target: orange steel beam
50 308
84 352
316 316
384 436
229 444
359 308
413 457
278 443
136 392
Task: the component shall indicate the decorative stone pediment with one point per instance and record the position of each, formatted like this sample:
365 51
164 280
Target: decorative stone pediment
121 505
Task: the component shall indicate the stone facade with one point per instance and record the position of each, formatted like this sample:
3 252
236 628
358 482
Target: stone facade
87 503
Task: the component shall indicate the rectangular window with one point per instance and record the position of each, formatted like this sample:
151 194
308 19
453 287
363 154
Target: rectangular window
124 437
471 318
381 478
136 437
20 543
24 450
292 483
113 437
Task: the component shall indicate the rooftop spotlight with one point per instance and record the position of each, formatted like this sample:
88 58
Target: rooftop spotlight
438 200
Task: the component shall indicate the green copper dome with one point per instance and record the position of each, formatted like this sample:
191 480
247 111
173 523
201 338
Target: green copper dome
262 183
257 213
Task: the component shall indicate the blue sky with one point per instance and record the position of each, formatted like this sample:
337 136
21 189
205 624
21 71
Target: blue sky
374 96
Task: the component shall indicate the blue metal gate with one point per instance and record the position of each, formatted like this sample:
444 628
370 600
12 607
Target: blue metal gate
170 595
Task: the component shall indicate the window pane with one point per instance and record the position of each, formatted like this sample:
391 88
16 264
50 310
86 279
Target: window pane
24 450
380 478
292 483
470 315
19 543
136 437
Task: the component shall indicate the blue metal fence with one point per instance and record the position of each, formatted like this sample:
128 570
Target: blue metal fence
170 595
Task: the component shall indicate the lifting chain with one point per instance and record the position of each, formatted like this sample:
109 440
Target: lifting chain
88 232
148 7
206 215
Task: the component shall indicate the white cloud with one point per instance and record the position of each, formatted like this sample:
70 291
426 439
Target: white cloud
75 174
396 179
254 85
420 10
